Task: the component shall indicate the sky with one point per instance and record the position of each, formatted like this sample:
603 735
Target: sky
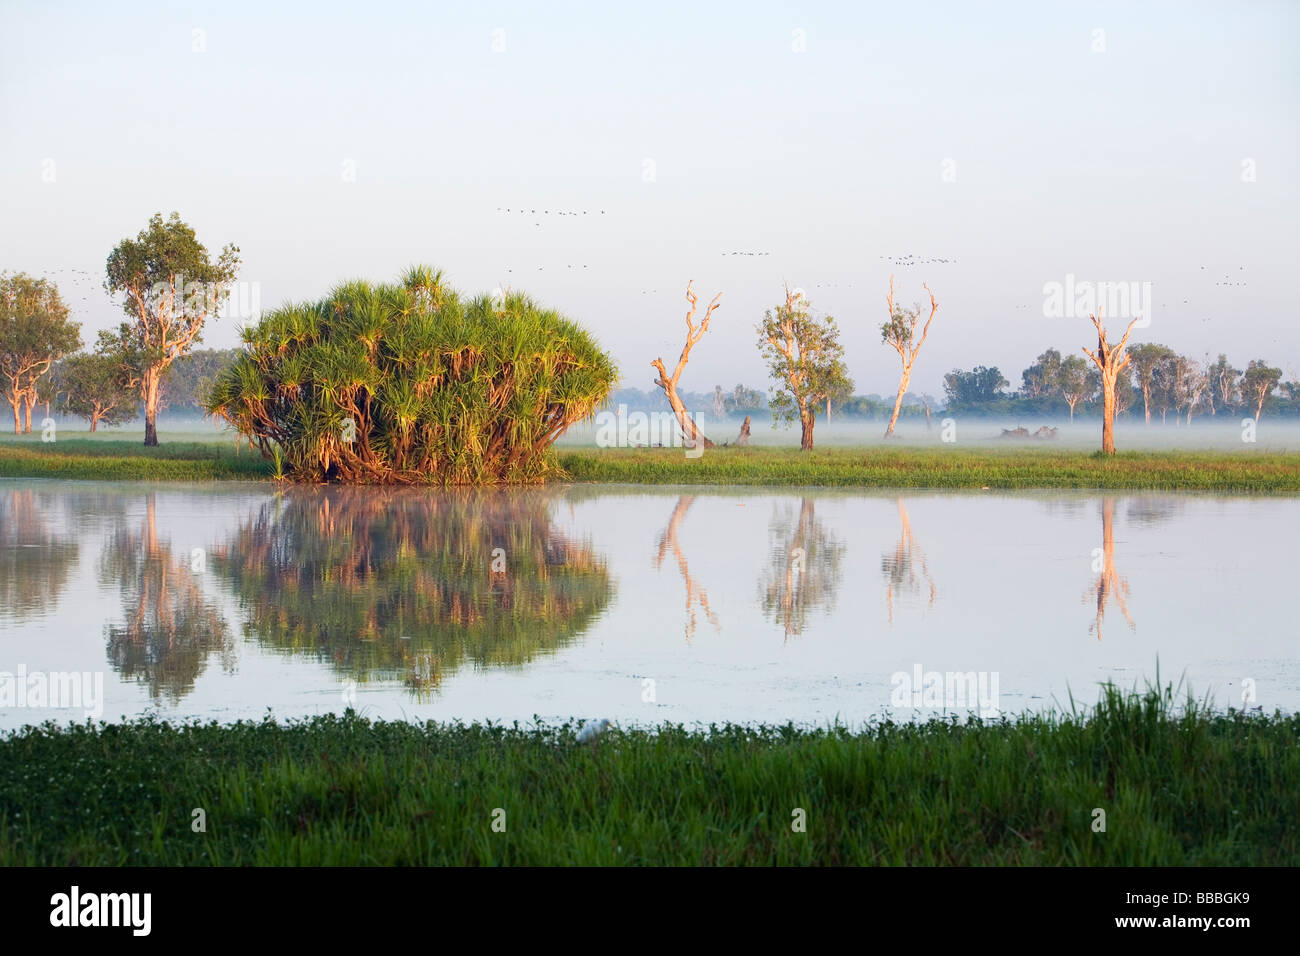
1134 142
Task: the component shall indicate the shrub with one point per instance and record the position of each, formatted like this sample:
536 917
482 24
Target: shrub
407 383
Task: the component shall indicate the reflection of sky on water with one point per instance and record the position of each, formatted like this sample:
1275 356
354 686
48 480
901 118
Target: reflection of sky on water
699 590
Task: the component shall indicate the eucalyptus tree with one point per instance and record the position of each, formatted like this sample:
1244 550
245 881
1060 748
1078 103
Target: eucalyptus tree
1223 384
1042 379
899 333
93 386
1258 383
804 355
1076 382
1146 358
35 331
170 286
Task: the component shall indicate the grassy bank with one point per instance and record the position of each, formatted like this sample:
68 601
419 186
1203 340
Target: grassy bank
913 467
903 467
129 460
1176 787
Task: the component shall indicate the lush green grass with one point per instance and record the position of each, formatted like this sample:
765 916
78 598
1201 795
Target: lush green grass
905 467
913 467
127 460
1178 786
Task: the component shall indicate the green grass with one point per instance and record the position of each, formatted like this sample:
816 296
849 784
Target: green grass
904 467
912 467
1179 786
98 458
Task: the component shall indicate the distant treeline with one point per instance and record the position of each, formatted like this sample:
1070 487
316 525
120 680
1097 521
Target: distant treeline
1157 382
185 385
1160 384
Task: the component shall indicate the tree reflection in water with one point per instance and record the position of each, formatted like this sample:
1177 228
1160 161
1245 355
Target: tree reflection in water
170 628
902 566
803 572
695 593
1109 583
407 584
35 560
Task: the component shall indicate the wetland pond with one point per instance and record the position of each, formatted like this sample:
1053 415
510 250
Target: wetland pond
641 604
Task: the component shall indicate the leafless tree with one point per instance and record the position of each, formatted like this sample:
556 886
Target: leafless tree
693 436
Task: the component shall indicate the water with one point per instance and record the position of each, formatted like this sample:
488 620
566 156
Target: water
639 604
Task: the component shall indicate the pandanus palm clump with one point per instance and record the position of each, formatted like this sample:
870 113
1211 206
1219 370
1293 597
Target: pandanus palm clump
408 383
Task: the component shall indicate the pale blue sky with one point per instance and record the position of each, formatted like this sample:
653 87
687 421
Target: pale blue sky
1117 165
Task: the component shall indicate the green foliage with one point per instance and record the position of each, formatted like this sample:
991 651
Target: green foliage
744 401
35 331
1258 383
1042 378
975 387
804 356
95 386
407 383
1191 787
170 285
189 380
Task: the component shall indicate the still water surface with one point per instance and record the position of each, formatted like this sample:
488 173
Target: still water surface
639 604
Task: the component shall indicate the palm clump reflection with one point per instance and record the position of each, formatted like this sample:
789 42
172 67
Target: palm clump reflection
404 584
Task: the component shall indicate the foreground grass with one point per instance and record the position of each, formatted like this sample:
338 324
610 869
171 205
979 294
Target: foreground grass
913 467
1184 787
903 467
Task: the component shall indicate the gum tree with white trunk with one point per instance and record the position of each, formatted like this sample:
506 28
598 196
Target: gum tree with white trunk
899 333
170 285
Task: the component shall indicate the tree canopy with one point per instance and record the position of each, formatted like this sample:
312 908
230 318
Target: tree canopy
408 383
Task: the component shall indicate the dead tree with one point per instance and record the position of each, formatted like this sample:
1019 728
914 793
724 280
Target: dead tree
1111 360
900 334
743 440
693 436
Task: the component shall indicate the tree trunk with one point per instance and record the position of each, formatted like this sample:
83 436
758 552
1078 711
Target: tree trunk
1146 402
694 438
28 402
806 422
898 402
149 390
94 420
14 400
743 440
1108 414
1071 404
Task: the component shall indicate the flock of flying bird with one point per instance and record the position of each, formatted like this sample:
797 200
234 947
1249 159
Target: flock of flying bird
547 212
907 260
911 260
